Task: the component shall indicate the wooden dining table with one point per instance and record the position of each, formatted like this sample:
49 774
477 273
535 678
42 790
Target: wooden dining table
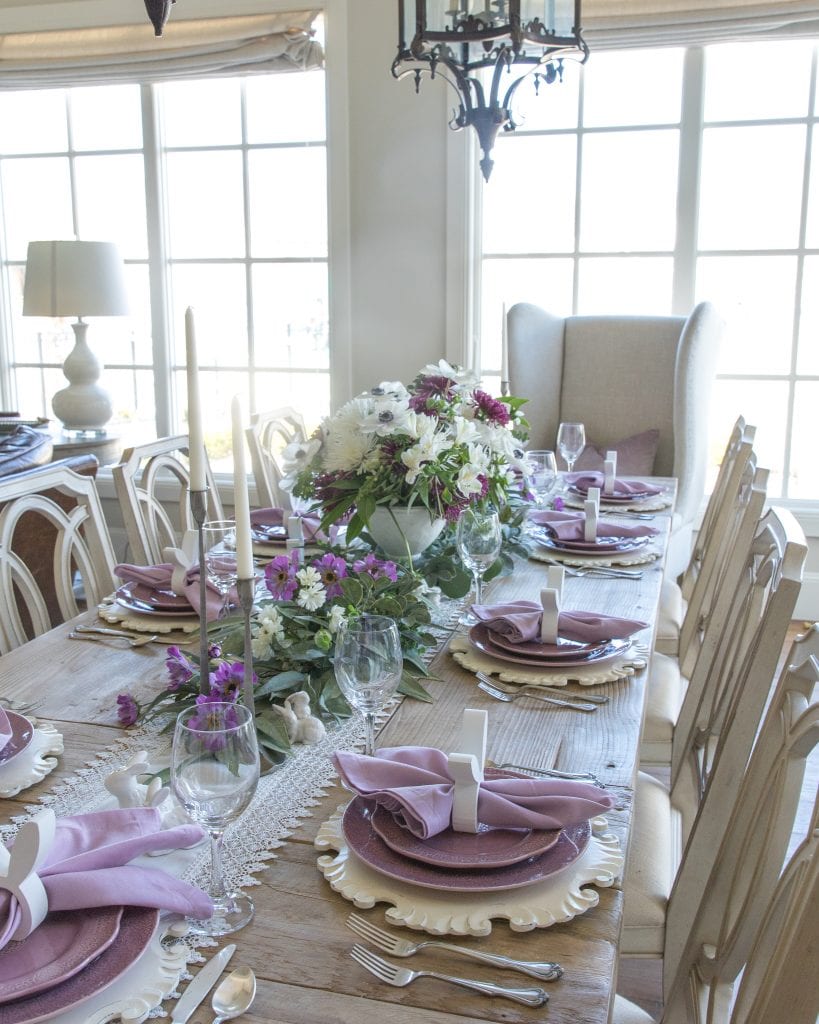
298 944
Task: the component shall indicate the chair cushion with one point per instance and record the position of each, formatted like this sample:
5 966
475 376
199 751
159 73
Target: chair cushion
626 1012
670 618
24 449
635 454
666 689
650 869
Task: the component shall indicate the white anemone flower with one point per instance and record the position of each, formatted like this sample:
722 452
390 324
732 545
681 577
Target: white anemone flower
461 376
389 389
388 416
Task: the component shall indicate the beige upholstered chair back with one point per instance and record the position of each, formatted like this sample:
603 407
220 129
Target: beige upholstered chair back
56 556
620 376
153 489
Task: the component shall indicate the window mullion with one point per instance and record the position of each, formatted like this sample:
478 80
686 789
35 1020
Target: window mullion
157 262
688 183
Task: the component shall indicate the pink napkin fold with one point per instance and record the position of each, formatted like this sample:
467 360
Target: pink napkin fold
267 517
583 481
571 526
158 577
87 866
519 621
414 785
5 729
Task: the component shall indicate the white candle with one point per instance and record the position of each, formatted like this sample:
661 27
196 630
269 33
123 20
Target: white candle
504 346
196 440
241 502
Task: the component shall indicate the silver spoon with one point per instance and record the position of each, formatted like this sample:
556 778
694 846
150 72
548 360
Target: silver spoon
234 995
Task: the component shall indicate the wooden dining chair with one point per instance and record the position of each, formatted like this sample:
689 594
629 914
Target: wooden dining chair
712 538
706 616
741 932
56 555
732 694
268 435
152 483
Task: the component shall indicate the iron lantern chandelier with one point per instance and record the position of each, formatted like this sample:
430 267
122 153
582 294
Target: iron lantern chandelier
507 35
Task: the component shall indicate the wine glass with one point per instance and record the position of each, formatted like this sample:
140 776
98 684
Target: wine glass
571 440
214 772
220 557
368 664
479 543
541 474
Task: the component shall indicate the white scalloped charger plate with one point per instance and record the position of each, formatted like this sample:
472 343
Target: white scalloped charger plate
639 557
558 898
653 504
32 764
111 611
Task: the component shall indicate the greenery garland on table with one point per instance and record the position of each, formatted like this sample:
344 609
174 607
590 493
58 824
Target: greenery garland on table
293 638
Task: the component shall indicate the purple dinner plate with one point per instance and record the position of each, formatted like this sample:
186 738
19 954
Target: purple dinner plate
126 596
22 733
136 930
488 848
366 844
576 548
559 652
63 944
613 649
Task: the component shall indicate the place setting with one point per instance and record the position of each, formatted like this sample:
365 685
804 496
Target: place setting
451 845
616 493
585 540
276 530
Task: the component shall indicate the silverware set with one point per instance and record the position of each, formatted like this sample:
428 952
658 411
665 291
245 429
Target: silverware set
552 773
393 974
135 638
558 702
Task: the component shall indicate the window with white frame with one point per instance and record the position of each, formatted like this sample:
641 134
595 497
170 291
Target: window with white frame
215 192
654 179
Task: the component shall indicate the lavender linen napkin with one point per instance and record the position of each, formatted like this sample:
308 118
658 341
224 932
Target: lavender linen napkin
571 526
622 488
519 621
263 518
88 866
5 729
158 577
414 784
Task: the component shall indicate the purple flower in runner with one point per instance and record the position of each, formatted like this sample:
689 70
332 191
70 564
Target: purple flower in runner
376 567
331 568
211 719
280 576
180 670
558 504
127 709
227 681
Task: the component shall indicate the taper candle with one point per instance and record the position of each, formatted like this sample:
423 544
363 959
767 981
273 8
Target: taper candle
241 502
196 439
504 346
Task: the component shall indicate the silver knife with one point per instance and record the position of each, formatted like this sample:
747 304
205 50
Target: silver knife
202 984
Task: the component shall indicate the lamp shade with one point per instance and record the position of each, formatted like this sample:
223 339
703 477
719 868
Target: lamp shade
73 278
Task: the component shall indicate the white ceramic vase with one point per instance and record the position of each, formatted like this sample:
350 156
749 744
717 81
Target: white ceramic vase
396 528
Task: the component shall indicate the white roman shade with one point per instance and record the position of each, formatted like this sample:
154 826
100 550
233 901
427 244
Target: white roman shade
246 44
609 24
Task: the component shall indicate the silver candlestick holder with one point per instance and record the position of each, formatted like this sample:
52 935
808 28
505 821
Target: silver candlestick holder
505 390
199 511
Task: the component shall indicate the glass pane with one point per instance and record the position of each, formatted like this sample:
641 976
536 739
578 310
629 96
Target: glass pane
541 169
802 479
616 90
33 122
286 108
763 403
111 202
218 296
132 395
134 339
34 391
757 80
639 286
807 360
202 112
628 193
290 315
307 392
43 207
205 205
751 187
288 202
217 391
545 282
551 106
755 297
106 117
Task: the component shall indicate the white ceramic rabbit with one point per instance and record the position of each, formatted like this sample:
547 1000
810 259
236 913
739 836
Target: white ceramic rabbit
301 726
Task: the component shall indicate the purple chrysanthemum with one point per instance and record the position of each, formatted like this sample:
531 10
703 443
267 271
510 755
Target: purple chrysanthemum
127 709
490 409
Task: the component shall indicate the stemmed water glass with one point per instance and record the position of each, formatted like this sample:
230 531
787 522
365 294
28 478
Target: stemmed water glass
479 543
571 440
541 474
368 663
220 557
214 772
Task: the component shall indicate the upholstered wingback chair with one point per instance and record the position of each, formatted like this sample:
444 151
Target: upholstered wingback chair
622 376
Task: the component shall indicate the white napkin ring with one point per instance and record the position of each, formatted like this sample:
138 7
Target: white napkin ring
18 870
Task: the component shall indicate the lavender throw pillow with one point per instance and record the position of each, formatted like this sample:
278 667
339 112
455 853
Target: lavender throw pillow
635 454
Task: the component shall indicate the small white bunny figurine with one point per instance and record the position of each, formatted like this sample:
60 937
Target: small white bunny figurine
123 784
301 726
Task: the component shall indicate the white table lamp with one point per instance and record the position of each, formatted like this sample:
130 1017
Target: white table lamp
73 278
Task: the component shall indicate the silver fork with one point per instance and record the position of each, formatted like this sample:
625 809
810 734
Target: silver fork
392 974
553 773
592 698
507 698
133 641
603 570
543 970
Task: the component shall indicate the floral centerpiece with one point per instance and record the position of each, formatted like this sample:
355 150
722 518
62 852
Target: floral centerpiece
293 635
441 443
